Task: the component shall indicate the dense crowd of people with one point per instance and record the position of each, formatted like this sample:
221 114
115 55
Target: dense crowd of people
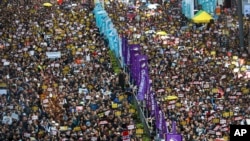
56 80
202 64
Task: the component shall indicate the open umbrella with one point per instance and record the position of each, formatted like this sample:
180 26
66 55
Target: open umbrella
162 33
171 97
202 17
153 6
47 4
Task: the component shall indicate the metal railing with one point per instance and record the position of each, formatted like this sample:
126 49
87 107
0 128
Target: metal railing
140 106
143 119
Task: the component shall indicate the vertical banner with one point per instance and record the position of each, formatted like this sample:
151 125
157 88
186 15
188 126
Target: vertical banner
188 8
124 49
208 6
142 63
173 137
133 51
152 103
135 69
121 52
142 86
156 115
174 127
108 25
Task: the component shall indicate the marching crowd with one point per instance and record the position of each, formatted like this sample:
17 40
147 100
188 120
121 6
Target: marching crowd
56 80
202 64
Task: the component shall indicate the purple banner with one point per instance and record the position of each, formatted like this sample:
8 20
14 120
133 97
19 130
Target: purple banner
125 49
132 50
139 63
133 66
143 64
174 127
143 85
157 119
164 127
173 137
137 69
152 103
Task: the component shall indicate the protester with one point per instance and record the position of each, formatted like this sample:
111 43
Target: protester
56 80
202 64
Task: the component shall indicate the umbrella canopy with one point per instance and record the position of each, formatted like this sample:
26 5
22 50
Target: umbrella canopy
171 97
202 17
47 4
162 33
153 6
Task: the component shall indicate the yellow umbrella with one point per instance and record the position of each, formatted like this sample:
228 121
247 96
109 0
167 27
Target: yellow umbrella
202 17
47 4
171 97
162 33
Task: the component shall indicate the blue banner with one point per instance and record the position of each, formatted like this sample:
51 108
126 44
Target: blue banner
188 8
208 6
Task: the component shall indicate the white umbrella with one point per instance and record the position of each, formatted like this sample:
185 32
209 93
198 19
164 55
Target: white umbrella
152 6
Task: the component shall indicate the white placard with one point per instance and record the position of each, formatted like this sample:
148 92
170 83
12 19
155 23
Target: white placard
88 97
7 120
6 63
34 117
3 91
80 90
27 135
79 108
45 101
130 127
57 65
248 121
10 107
247 9
15 116
31 53
49 89
53 55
